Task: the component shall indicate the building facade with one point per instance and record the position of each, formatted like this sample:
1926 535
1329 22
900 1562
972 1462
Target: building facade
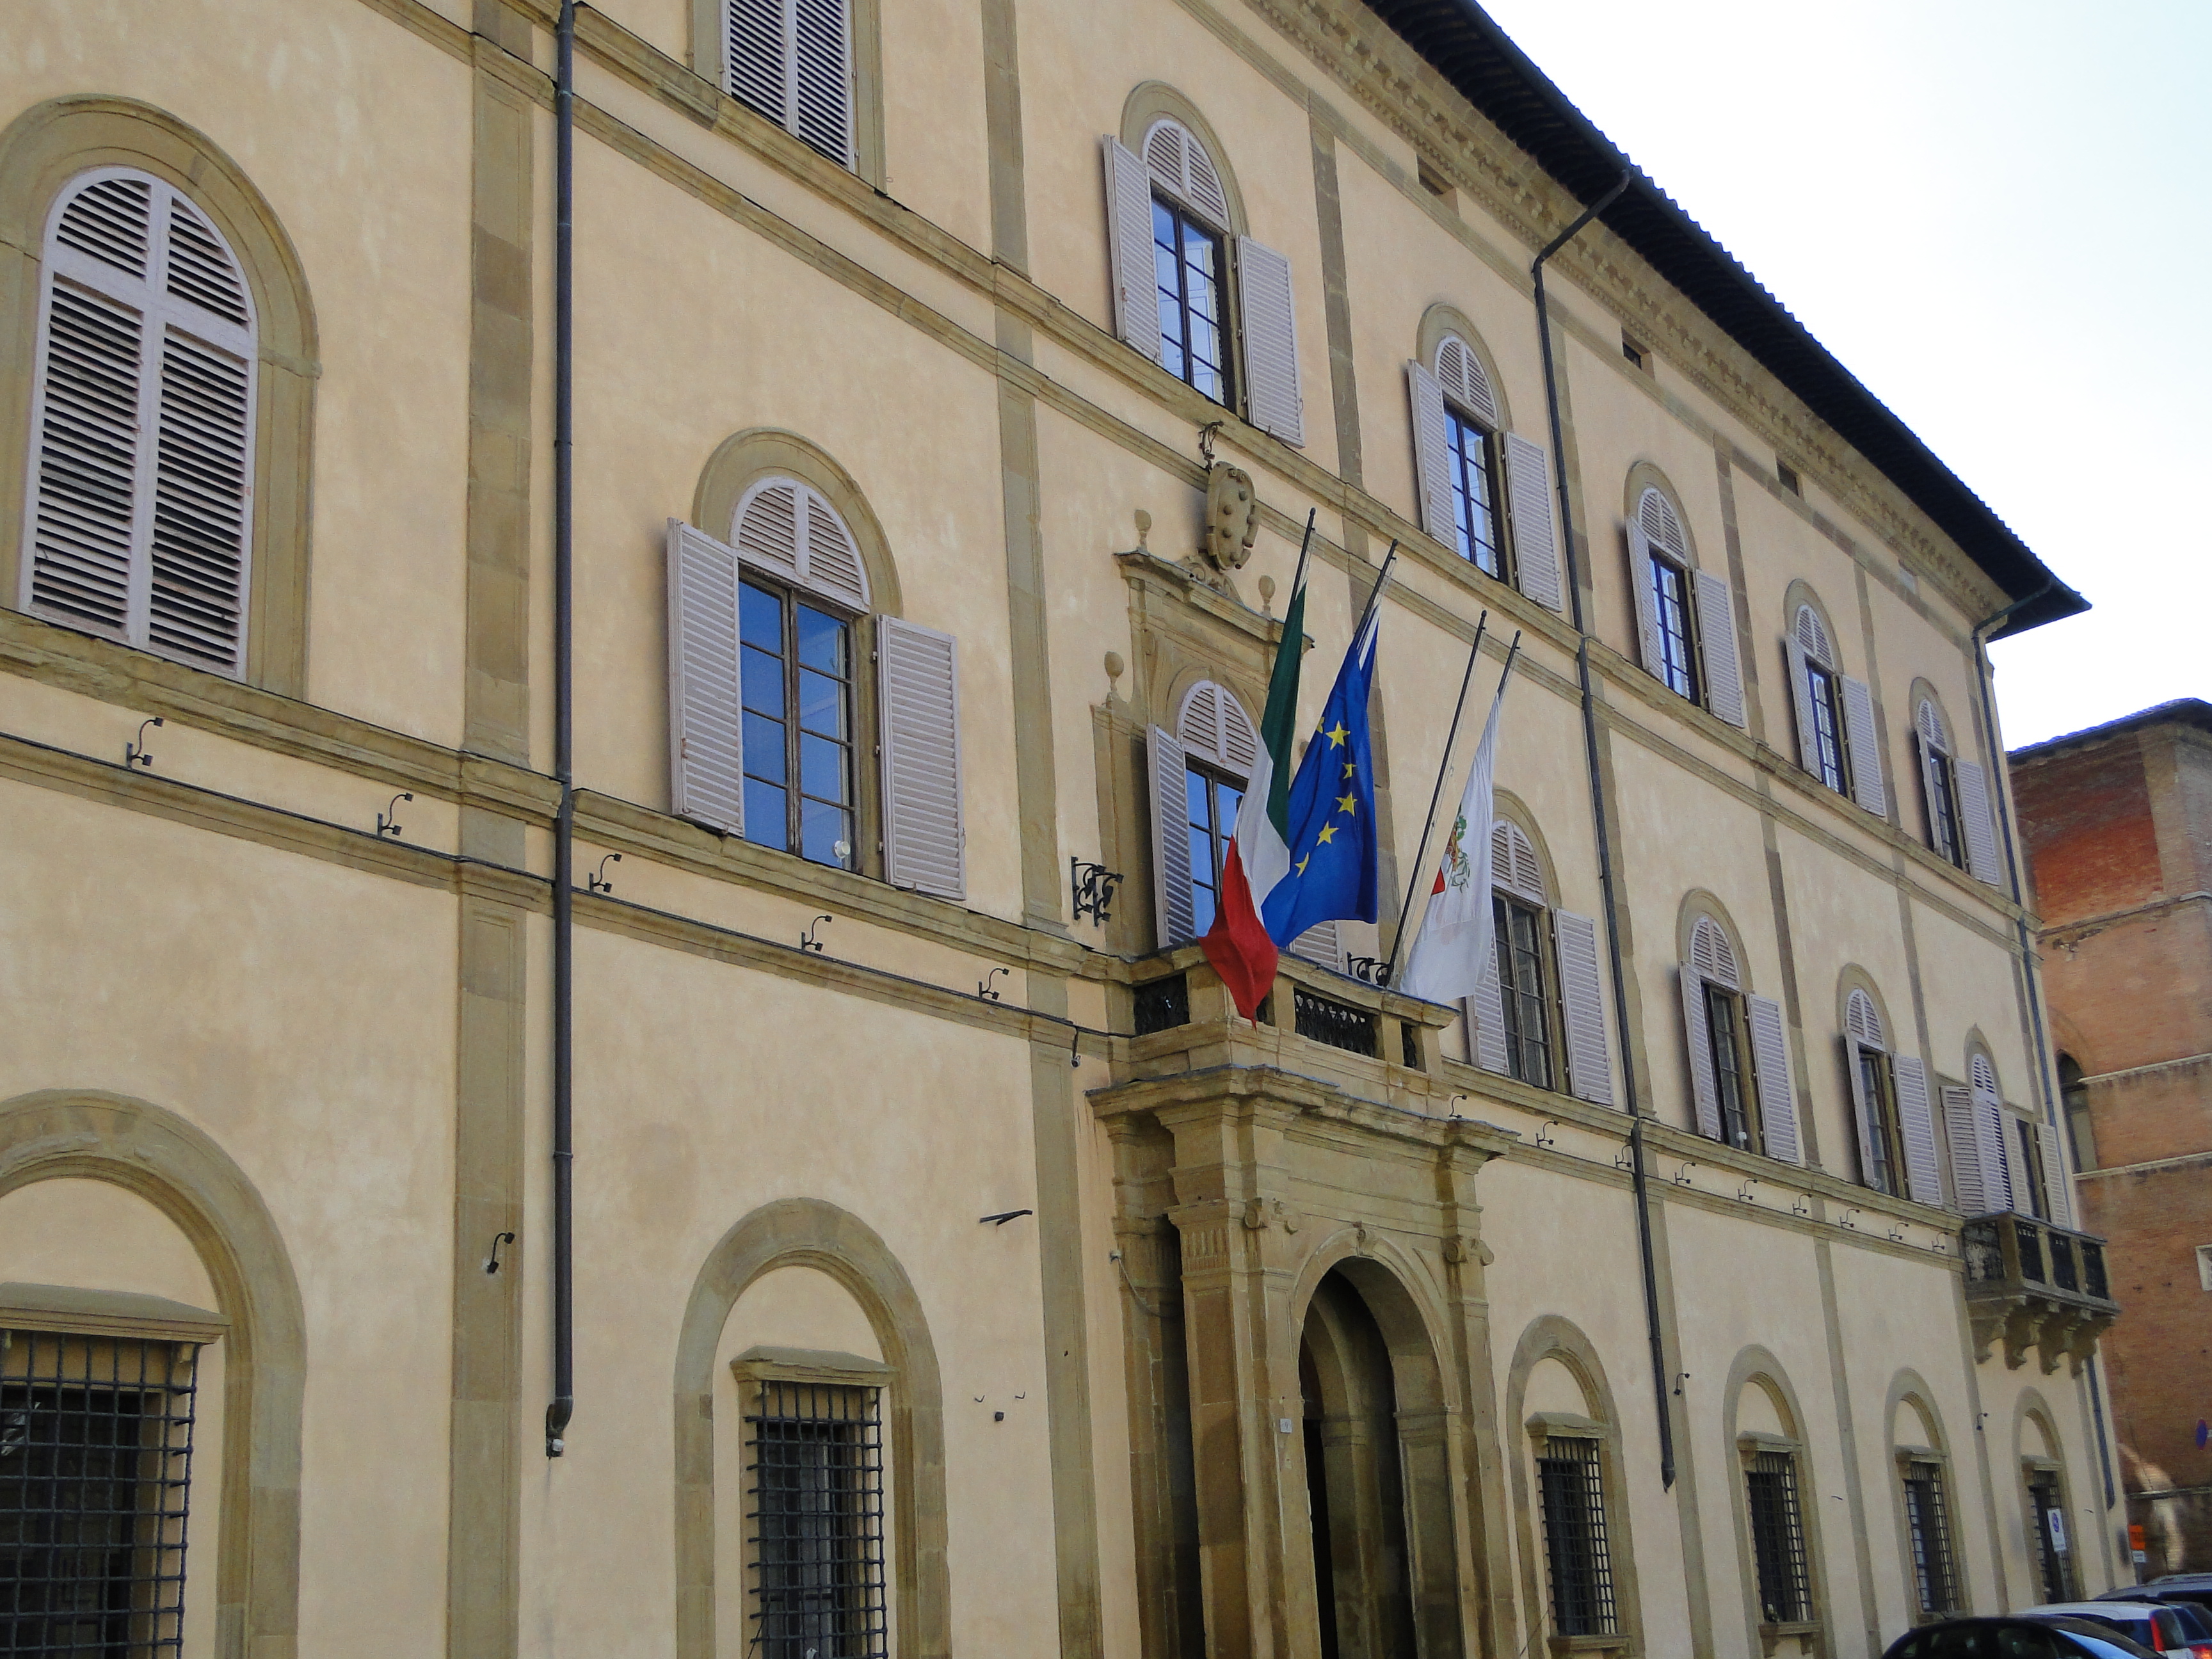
871 541
2117 823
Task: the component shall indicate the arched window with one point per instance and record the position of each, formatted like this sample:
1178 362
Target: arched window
1976 1122
1199 772
1889 1101
770 680
792 61
1835 715
140 515
1739 1054
1537 1016
1929 1534
1957 795
1685 617
1485 492
1175 254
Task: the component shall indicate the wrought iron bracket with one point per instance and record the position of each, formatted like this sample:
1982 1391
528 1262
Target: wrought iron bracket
387 820
1094 885
598 881
1374 969
134 754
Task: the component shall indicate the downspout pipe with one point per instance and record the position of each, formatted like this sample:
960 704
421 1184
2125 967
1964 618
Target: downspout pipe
2043 1053
1640 1172
563 1404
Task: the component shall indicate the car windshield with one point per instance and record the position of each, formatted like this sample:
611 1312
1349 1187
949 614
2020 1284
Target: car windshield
2101 1641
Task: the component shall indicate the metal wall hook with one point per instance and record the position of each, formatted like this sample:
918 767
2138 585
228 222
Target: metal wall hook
134 753
1802 1205
1093 885
1456 1100
598 882
1003 1217
983 988
1681 1378
807 941
1745 1193
1682 1171
1543 1139
387 822
492 1264
1849 1219
1626 1158
1206 434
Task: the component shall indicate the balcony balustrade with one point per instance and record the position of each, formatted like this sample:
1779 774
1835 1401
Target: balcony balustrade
2037 1286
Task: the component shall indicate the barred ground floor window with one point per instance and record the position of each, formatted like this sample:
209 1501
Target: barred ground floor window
1569 1473
815 1490
1778 1537
1927 1536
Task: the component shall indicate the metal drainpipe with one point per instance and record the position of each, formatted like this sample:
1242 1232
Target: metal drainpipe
563 1404
2053 1094
1605 867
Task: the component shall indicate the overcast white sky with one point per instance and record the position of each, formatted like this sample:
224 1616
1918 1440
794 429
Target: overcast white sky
1998 214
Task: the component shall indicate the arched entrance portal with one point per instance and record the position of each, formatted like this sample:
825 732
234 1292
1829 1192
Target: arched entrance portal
1378 1486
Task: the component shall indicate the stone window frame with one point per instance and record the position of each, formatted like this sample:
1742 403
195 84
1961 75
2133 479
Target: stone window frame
1439 323
1646 476
41 152
864 24
2031 1407
1757 1367
1909 1390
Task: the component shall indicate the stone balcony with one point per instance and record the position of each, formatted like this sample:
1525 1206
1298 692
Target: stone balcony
2037 1286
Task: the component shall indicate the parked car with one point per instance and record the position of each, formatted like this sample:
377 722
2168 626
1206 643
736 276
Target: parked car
2016 1637
2149 1623
2174 1590
2190 1604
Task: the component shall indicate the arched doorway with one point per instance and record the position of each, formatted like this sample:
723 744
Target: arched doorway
1374 1456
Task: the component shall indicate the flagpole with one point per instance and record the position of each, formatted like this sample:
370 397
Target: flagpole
1428 826
1375 595
1305 547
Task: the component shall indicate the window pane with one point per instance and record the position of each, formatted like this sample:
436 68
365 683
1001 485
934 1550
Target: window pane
763 751
1473 510
1828 743
821 641
761 677
826 833
1198 796
1201 857
821 704
822 769
765 809
1228 801
760 618
1670 603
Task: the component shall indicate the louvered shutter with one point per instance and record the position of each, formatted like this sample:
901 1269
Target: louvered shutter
925 841
1931 786
1431 455
755 48
1529 499
1129 246
1923 1176
1574 941
1867 786
706 775
1961 1128
1716 632
1485 1021
1800 706
1647 602
1320 946
1996 1157
833 565
1976 822
2057 1187
1697 1036
822 78
1172 907
1271 341
1460 374
87 417
1770 1059
1862 1111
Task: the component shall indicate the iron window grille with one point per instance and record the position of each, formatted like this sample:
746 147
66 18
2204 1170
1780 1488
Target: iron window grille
1724 1027
2051 1562
1189 265
1827 755
96 1473
1928 1531
1323 1019
1572 1489
796 679
1470 458
1211 802
1777 1537
1521 989
817 1492
1670 605
1162 1005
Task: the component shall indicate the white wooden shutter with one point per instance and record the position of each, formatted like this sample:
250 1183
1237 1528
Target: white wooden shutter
706 770
1431 455
1320 946
757 56
88 419
1961 1127
1867 785
1716 633
1528 500
2057 1187
1770 1059
1800 706
1861 1111
1129 247
1996 1155
1485 1021
1176 913
1574 941
1271 341
1647 603
1697 1036
1923 1176
196 599
822 78
1181 165
1976 822
925 841
1460 374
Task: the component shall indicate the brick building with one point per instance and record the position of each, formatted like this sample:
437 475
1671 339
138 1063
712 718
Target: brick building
2117 825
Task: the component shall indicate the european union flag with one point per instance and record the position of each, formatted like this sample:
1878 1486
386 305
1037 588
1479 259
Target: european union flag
1332 810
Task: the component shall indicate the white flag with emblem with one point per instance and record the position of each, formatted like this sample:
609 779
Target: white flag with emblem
1455 940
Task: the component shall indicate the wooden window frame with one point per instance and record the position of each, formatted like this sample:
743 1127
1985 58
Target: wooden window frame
1734 1068
1216 779
1830 752
1459 428
1666 569
865 817
1187 224
1514 999
1884 1129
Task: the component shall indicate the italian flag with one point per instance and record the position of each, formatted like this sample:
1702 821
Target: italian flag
1259 856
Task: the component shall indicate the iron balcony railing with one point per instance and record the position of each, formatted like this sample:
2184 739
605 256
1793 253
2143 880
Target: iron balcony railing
2042 1286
